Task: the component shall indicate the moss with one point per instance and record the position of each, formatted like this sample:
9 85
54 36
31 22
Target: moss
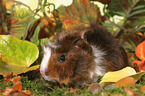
39 87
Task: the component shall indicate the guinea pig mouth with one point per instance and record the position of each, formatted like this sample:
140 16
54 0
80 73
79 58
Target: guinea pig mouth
44 75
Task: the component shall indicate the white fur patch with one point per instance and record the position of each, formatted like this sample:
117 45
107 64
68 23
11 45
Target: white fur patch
45 62
99 54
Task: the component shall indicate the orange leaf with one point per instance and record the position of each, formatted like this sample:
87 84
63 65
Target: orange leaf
130 92
136 63
143 88
8 91
127 81
28 92
140 51
16 79
18 86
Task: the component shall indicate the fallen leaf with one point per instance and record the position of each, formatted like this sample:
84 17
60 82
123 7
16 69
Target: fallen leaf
110 86
19 94
137 76
130 92
8 77
16 90
142 88
117 75
8 91
16 79
104 94
111 94
28 92
18 86
95 87
127 81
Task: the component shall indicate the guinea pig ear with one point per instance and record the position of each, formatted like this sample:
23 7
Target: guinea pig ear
83 45
87 34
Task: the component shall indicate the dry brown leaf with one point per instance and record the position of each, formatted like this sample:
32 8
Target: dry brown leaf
95 87
16 91
8 77
116 94
19 94
18 86
8 91
28 92
111 86
130 92
16 79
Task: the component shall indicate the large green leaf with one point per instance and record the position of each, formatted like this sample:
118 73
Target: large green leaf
17 55
80 11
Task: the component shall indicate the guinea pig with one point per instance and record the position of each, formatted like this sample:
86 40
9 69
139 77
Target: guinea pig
79 55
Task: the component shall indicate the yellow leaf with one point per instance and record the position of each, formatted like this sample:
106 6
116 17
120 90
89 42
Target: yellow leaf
117 75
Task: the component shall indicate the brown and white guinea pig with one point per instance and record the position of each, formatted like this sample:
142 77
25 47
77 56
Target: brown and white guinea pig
80 55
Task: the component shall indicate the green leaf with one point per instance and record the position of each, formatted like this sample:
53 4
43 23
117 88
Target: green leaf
133 12
128 8
35 39
17 55
138 75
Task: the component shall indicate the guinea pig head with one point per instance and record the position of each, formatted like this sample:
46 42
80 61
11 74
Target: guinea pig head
68 61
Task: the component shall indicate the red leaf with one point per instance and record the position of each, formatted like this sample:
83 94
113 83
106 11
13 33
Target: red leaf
85 3
140 51
142 67
136 63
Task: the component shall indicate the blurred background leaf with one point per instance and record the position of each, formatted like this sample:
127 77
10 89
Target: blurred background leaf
79 12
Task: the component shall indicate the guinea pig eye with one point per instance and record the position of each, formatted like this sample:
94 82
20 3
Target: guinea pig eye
62 58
